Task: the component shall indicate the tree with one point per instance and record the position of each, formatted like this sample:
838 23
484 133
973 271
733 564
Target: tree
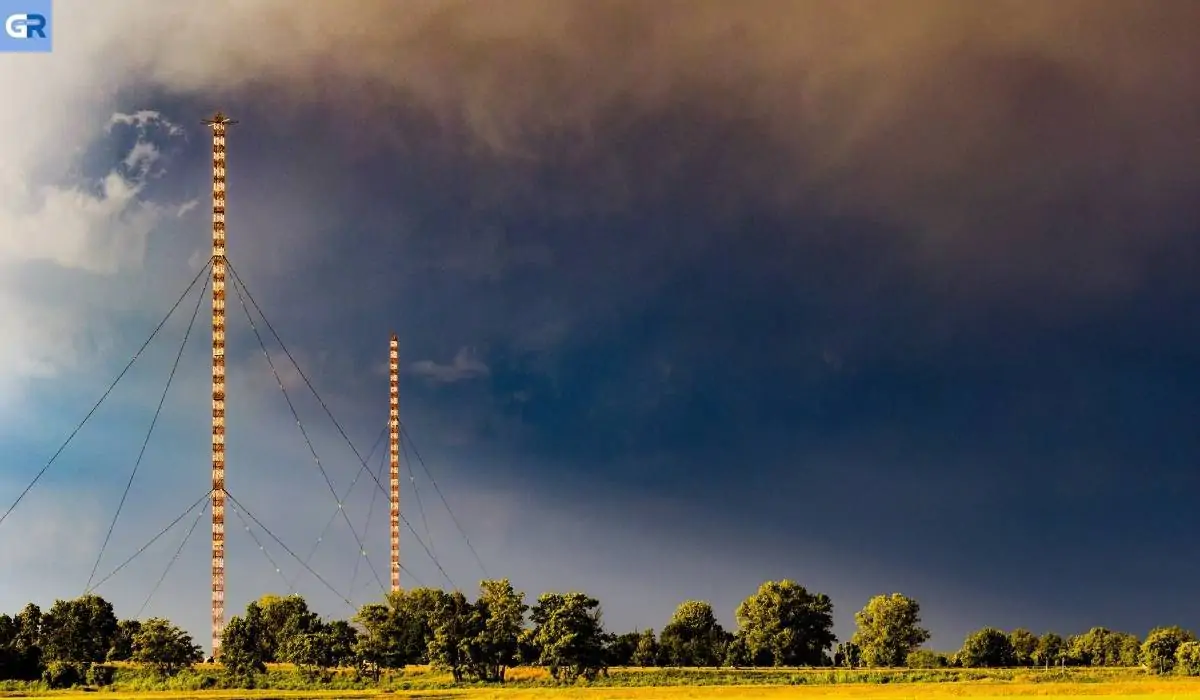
1130 653
1187 659
397 632
29 627
785 625
79 630
454 624
342 639
164 647
645 654
620 648
418 607
1100 646
568 633
375 647
1161 645
1051 649
19 660
244 644
889 629
847 654
1025 646
1071 650
122 644
924 658
737 652
986 648
693 637
310 652
284 617
526 650
500 617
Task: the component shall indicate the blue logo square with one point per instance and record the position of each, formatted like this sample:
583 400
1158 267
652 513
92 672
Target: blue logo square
27 26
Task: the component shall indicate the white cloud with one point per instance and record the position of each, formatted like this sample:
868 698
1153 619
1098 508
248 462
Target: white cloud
186 207
65 232
145 120
464 366
74 228
99 227
141 157
25 353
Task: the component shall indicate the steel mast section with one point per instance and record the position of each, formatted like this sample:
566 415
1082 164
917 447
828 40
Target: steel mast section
218 123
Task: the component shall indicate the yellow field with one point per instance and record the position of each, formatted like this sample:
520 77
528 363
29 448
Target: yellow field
1149 689
912 691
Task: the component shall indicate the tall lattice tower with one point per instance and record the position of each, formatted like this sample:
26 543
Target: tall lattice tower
218 122
394 454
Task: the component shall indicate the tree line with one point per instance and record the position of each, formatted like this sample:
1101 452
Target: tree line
781 624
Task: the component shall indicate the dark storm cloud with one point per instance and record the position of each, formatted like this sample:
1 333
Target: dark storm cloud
1016 142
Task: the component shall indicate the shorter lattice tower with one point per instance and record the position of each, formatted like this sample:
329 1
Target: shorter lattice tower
394 454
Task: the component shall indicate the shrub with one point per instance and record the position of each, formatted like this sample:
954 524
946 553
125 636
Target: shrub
924 658
101 676
64 674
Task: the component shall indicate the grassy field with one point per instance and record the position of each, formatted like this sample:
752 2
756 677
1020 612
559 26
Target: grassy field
1146 690
673 684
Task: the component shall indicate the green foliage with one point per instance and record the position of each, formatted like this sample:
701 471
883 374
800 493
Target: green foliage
101 675
378 646
243 644
1161 645
498 618
80 630
397 632
645 654
310 652
737 652
342 639
568 632
283 618
619 648
785 625
527 651
20 654
693 637
122 644
64 674
1025 646
781 625
847 654
1187 659
889 629
454 624
477 640
1103 647
986 648
164 647
1131 650
924 658
1051 650
29 627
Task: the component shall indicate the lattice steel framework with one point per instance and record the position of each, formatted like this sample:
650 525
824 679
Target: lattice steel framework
218 123
394 455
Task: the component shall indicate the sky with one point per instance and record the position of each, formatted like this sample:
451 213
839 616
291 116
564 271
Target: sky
690 296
